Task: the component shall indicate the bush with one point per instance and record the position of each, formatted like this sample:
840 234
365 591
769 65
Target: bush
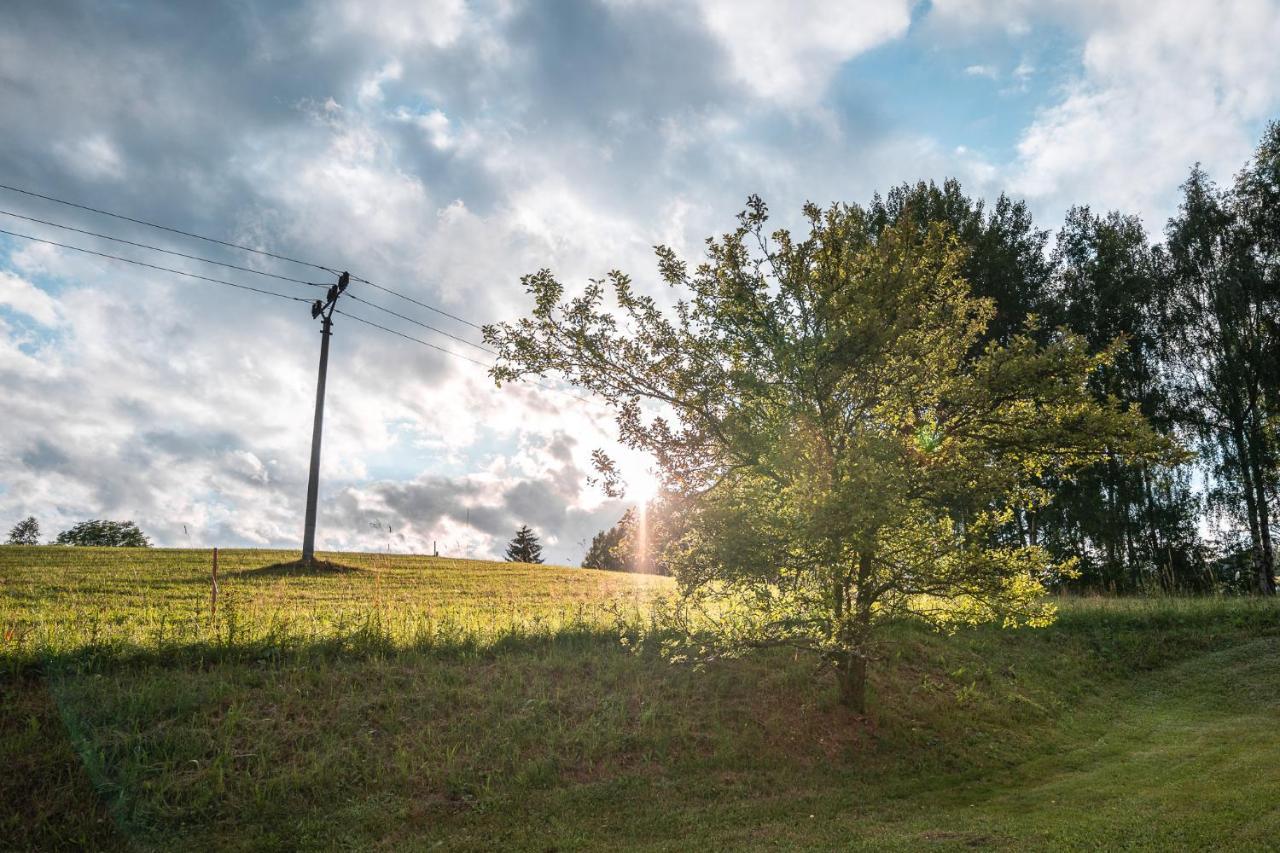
109 533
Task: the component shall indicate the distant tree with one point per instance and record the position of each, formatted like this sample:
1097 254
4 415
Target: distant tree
843 445
605 551
124 534
25 532
524 548
634 544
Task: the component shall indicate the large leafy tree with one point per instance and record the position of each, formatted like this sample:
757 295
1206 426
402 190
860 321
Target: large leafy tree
124 534
842 449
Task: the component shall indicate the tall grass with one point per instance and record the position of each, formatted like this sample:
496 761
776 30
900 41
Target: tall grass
86 605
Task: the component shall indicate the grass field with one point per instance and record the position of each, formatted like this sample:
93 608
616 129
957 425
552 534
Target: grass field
417 703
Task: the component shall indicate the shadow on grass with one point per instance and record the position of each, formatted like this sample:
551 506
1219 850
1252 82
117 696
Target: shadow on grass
362 642
48 798
297 568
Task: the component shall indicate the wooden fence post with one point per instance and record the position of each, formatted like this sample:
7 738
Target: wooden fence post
213 592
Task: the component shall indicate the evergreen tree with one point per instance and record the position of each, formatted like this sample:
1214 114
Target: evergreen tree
524 548
121 534
25 532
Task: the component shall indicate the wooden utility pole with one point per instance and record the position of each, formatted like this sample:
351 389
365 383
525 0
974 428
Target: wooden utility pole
323 310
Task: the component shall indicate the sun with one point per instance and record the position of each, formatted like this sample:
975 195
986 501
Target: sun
643 486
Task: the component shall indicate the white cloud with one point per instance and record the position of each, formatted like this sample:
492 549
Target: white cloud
398 23
94 157
371 89
25 298
788 52
1161 85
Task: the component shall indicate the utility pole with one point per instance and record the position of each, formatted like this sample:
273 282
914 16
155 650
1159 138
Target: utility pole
323 310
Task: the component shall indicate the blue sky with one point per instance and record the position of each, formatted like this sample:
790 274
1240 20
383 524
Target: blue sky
445 149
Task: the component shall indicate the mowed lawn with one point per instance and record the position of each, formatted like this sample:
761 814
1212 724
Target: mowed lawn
417 703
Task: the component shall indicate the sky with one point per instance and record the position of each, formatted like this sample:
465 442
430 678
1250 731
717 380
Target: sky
443 149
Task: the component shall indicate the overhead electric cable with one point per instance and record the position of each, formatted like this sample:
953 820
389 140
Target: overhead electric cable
194 236
154 266
158 249
456 354
412 338
420 323
416 302
231 245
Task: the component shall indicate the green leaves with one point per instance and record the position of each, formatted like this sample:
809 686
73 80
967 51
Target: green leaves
842 446
123 534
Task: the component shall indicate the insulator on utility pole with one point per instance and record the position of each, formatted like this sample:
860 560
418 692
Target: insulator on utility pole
323 310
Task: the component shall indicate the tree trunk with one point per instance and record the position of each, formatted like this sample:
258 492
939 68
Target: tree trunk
853 663
1258 452
1244 465
853 683
1267 564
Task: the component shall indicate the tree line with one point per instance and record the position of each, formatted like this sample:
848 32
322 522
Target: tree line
1198 317
97 532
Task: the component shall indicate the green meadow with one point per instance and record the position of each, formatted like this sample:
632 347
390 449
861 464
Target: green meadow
413 703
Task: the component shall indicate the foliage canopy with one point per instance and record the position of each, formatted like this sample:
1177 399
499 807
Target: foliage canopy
842 440
123 534
25 532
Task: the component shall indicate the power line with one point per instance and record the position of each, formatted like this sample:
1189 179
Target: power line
158 249
229 245
411 338
423 325
155 267
416 302
454 354
252 250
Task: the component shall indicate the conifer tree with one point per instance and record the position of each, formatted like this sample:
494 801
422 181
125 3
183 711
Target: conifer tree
524 548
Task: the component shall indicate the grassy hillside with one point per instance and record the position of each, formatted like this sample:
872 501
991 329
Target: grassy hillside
411 703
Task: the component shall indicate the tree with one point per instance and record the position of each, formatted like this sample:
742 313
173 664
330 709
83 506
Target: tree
843 450
1225 269
1129 526
606 547
1005 258
25 532
524 548
628 545
122 534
